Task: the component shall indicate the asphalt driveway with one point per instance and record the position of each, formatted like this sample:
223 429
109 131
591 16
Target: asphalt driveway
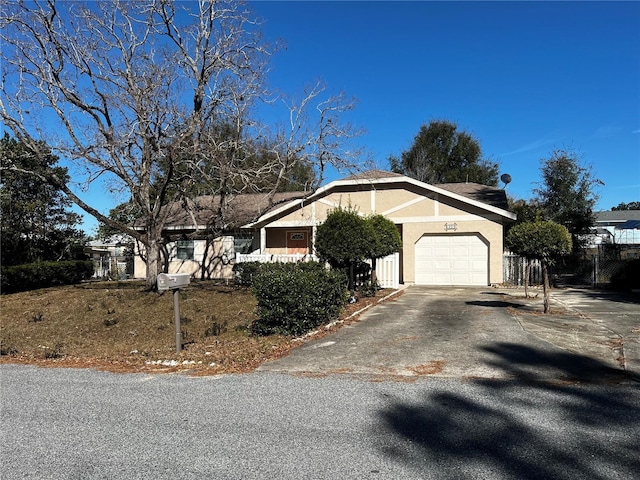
481 333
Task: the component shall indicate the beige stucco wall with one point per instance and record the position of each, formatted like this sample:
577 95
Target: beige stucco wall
217 265
419 212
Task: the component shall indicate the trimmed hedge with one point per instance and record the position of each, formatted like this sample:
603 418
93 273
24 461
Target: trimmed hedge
295 298
30 276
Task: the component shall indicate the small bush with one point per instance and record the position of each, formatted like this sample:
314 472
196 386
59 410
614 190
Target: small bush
295 298
245 272
367 289
7 349
216 328
20 278
56 352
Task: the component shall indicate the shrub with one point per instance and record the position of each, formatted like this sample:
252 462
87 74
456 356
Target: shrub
19 278
368 289
295 298
245 271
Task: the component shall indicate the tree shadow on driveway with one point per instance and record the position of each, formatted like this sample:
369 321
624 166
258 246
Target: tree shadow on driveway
525 428
611 296
529 364
494 304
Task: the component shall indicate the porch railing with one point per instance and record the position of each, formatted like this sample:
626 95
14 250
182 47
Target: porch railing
387 268
274 258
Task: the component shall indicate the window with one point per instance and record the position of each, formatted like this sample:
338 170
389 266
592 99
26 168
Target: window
184 250
242 244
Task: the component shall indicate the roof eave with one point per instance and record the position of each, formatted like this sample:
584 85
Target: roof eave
376 181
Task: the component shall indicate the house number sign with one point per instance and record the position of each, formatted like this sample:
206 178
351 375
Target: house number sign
448 227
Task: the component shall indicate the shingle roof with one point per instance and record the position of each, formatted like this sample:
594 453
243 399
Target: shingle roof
241 209
246 208
372 175
482 193
617 216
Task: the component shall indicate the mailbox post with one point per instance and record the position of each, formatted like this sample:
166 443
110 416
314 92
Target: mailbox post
174 281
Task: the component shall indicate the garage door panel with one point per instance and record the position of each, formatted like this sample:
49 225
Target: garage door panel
460 250
451 260
459 264
441 265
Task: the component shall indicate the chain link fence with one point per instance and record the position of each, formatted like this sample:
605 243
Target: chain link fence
600 266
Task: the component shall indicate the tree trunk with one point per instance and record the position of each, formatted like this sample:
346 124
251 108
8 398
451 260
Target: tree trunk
153 262
527 274
351 281
374 275
545 286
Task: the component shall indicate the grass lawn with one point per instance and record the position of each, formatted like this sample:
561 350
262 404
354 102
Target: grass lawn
119 327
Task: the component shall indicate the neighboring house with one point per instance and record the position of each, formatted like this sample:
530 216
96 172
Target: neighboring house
111 256
452 234
620 227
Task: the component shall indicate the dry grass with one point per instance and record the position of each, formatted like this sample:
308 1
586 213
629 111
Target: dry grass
119 327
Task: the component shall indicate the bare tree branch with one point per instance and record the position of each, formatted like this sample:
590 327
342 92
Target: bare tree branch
158 97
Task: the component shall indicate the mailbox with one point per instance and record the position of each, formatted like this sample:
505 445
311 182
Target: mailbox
172 281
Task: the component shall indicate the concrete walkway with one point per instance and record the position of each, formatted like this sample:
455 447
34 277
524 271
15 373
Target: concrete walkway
482 333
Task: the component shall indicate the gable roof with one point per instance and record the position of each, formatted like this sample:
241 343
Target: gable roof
491 199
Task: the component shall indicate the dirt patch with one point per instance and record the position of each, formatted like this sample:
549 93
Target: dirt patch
431 368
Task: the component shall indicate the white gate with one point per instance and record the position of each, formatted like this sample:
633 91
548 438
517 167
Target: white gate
388 271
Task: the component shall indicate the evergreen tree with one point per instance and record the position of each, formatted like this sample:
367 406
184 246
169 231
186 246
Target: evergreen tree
37 224
442 154
344 239
566 195
627 206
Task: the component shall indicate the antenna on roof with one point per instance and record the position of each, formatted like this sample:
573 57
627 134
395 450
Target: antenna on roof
506 178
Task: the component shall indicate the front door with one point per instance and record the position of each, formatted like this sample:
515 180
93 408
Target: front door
297 242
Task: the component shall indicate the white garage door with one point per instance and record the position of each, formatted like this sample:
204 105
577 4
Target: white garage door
452 260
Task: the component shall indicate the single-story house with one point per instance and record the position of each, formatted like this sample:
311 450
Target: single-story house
188 247
452 234
620 227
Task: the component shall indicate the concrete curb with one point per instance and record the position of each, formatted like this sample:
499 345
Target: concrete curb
354 314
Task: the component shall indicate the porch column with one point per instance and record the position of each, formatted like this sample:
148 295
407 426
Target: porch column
263 240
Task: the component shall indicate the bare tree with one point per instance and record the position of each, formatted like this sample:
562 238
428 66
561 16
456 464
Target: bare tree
155 96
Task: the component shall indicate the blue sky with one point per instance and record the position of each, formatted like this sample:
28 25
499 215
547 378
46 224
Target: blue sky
524 78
